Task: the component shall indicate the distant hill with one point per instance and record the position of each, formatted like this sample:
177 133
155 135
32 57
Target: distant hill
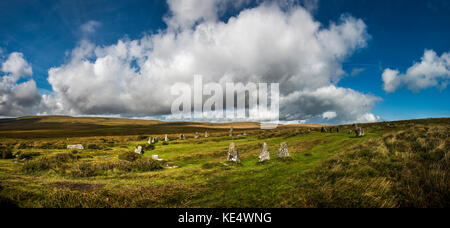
67 126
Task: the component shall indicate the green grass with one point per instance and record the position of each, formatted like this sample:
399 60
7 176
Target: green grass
403 165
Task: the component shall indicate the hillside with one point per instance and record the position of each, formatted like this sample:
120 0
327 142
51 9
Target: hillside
396 164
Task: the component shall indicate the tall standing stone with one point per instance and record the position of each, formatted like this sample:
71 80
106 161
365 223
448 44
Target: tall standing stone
149 140
283 150
206 134
233 154
324 129
166 138
196 135
182 137
230 133
359 131
264 155
155 140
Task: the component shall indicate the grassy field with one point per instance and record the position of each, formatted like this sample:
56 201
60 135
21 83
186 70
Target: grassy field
397 164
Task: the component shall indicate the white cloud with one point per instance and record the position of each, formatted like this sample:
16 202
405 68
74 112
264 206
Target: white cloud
267 43
17 98
431 71
348 105
17 66
90 27
329 115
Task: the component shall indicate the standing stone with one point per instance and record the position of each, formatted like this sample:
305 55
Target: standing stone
233 154
349 132
182 137
196 135
138 150
309 130
245 133
359 131
206 134
75 147
331 130
155 140
337 130
149 140
324 129
264 155
230 133
166 138
283 150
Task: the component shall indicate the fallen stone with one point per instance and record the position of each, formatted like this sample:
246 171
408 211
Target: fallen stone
75 147
156 157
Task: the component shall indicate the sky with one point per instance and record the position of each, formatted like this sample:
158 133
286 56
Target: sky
337 61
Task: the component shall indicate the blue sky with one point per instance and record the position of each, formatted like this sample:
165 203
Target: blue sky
400 31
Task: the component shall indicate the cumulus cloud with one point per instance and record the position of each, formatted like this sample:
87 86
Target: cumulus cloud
267 43
329 115
16 65
347 105
89 27
431 71
17 98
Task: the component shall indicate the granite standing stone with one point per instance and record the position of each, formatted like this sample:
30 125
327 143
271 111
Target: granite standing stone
283 150
264 155
233 154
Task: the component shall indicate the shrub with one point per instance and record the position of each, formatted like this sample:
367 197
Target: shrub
142 137
6 153
38 165
129 156
147 147
24 146
28 155
165 143
86 169
49 162
93 147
